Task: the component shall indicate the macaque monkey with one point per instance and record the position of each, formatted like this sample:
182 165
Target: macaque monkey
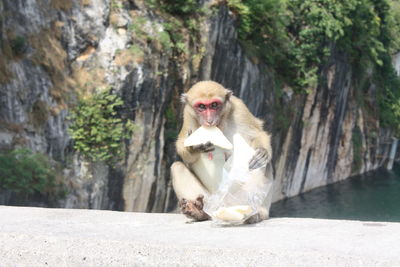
208 103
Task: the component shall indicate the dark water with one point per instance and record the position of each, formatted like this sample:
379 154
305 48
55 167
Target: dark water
374 196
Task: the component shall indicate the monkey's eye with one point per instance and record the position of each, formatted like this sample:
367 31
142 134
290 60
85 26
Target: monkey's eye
201 106
214 105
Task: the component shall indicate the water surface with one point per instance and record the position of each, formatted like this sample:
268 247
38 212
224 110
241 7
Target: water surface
374 196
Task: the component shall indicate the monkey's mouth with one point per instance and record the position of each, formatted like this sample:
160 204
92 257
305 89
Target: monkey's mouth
210 124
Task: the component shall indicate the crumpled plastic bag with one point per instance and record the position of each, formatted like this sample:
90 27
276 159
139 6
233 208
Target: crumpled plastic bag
241 191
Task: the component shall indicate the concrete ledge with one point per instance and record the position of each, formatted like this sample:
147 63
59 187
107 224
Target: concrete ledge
62 237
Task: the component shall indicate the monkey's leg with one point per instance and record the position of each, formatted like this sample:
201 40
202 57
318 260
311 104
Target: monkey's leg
189 191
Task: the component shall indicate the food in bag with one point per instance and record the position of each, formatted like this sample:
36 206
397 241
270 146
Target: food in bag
241 191
233 213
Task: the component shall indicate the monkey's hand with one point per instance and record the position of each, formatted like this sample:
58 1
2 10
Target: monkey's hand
194 209
202 148
260 159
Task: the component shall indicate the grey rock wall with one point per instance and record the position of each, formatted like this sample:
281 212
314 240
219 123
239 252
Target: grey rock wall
76 48
319 146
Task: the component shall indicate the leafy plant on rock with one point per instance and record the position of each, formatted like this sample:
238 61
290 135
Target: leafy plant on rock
97 130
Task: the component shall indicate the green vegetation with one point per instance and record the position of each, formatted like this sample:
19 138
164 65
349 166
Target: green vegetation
97 130
165 40
174 30
136 51
388 96
26 173
117 4
356 139
296 37
182 22
138 28
180 7
18 45
168 39
283 113
171 124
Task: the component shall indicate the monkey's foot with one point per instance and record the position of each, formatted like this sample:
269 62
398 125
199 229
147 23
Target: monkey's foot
256 218
194 209
262 214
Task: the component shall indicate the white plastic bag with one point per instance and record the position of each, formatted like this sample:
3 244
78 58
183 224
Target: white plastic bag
241 192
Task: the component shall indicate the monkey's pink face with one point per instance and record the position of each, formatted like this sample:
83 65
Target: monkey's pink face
208 111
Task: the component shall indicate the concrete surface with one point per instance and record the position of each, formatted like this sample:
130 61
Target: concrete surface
62 237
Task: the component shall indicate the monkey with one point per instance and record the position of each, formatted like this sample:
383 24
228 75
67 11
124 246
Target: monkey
208 103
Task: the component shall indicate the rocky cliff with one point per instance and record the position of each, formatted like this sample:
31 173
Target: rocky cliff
54 52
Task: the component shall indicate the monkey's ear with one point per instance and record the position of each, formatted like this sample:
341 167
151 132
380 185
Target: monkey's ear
184 98
228 95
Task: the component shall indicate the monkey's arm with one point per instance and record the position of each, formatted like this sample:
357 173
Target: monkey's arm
186 154
260 140
254 126
192 153
263 140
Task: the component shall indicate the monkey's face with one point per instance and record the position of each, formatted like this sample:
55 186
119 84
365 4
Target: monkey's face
208 111
208 102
